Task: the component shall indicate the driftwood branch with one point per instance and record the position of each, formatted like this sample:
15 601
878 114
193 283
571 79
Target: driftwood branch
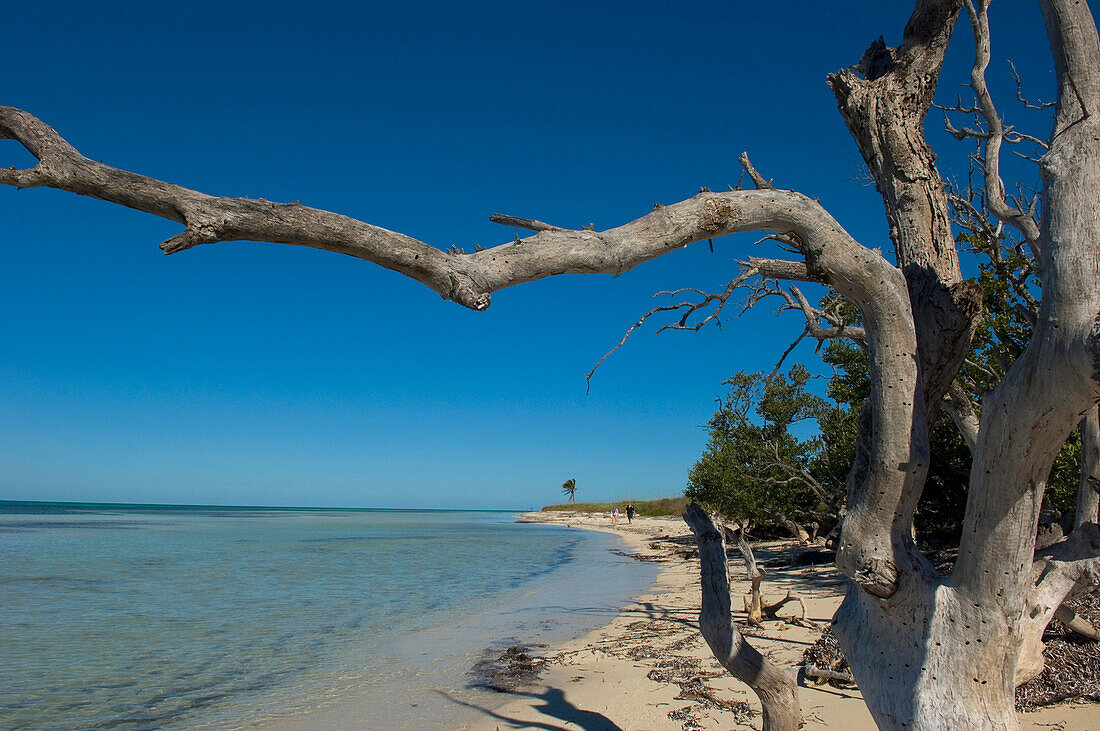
822 675
1076 623
771 611
753 606
774 686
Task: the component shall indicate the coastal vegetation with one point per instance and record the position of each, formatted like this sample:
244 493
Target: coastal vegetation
755 469
673 506
928 650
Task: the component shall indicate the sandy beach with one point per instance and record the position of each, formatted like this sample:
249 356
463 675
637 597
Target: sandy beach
650 669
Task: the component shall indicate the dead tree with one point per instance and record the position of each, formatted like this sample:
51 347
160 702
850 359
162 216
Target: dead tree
927 651
754 607
756 610
774 686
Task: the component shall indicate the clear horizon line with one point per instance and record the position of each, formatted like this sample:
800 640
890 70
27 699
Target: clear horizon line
248 507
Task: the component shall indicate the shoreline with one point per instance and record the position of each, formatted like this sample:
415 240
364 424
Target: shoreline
444 675
650 669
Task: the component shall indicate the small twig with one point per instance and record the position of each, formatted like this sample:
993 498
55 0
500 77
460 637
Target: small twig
1020 96
690 308
528 223
757 178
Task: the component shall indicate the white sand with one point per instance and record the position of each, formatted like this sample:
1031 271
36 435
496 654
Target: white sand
618 676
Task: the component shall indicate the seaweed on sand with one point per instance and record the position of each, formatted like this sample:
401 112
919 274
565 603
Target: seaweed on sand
509 670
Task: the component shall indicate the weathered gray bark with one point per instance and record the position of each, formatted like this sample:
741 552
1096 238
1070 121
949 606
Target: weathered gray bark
1057 573
753 607
1056 581
1076 623
959 407
884 100
1054 383
1088 491
774 687
928 652
468 279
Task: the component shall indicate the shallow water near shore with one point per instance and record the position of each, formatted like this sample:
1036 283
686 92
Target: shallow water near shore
146 617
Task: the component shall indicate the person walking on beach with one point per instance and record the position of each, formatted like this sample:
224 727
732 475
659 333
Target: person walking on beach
614 516
630 512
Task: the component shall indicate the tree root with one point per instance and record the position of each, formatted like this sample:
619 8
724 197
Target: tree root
1074 622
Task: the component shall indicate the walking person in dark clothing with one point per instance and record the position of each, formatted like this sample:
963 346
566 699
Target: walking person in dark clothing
629 512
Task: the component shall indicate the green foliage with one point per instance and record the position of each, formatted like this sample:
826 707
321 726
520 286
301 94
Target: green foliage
754 467
674 506
569 487
1008 286
752 462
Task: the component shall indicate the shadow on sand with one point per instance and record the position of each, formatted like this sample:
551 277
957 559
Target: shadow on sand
554 707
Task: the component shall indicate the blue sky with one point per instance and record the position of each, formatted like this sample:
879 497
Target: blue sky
246 373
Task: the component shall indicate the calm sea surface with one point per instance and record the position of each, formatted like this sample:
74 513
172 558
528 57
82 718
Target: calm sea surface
145 617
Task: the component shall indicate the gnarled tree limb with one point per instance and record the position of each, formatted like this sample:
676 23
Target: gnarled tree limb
883 100
884 497
831 256
995 133
1055 381
468 279
1058 573
775 687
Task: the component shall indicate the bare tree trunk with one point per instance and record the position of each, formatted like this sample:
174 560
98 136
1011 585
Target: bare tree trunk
884 100
942 653
1053 584
753 607
936 658
774 687
1088 490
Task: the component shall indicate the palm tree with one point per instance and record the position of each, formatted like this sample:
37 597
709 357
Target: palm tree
569 487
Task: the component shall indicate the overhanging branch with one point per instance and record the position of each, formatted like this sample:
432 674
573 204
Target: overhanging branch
468 279
880 504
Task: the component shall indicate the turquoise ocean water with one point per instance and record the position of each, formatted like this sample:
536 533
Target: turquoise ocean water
151 617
